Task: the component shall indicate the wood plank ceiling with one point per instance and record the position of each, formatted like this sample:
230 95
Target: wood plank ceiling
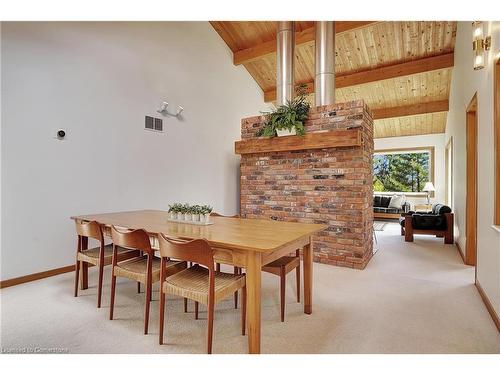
401 69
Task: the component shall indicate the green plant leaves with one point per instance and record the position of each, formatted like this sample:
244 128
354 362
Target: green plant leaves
186 208
289 116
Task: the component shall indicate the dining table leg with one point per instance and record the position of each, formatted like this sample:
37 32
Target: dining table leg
84 266
253 282
307 254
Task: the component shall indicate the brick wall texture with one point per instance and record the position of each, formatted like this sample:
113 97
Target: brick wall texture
328 186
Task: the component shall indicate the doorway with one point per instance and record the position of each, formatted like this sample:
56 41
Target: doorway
471 183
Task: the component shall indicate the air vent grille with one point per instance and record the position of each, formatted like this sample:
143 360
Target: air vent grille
158 124
154 124
149 123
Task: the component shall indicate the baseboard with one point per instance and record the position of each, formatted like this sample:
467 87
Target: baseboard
35 276
488 304
460 252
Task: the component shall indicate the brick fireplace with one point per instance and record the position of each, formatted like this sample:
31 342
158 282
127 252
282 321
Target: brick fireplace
324 177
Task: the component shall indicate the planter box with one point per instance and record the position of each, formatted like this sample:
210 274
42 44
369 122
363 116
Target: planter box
189 222
284 133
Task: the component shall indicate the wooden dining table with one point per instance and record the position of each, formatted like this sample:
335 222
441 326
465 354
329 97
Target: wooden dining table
246 243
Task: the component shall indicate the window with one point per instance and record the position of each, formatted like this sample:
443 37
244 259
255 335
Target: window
403 170
448 165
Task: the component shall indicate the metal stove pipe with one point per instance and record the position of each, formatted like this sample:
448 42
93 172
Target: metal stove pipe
324 79
285 62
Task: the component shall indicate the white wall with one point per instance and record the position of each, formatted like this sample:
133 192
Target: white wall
97 81
428 140
465 83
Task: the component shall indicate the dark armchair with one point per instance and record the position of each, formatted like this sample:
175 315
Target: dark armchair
438 222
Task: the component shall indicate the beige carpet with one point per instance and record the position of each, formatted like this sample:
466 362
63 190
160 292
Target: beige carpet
412 298
379 225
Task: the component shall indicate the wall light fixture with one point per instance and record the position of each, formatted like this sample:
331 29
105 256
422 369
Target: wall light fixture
164 110
480 44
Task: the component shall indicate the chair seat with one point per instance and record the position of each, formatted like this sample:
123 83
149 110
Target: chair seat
137 268
92 255
288 262
192 283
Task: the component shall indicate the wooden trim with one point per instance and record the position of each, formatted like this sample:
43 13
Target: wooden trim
309 141
305 36
431 150
397 70
35 276
471 183
386 215
459 249
422 65
411 110
488 305
496 135
224 34
264 49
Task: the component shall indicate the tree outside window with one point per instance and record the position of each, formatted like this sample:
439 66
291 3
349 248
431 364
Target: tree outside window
401 171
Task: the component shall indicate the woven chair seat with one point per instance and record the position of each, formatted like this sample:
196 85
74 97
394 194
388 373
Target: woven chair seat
288 262
192 283
92 255
137 268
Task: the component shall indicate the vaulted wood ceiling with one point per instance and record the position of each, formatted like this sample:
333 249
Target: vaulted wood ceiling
401 69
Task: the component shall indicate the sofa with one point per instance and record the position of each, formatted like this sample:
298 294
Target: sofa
389 206
438 222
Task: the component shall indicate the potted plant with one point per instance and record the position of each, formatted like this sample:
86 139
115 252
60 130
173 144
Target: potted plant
289 118
205 213
186 210
170 212
196 211
180 211
173 211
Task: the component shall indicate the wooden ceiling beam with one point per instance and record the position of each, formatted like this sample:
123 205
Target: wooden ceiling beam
411 110
422 65
224 34
301 37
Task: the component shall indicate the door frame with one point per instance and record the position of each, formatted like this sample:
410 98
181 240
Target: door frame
471 125
496 135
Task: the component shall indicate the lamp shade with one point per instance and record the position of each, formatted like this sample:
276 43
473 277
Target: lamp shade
429 187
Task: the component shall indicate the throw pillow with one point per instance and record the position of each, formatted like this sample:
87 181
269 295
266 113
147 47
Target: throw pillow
384 201
397 201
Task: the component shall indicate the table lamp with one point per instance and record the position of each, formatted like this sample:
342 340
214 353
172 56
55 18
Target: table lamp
428 188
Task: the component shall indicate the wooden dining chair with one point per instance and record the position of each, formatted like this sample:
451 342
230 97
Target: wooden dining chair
100 256
144 269
281 267
200 282
237 270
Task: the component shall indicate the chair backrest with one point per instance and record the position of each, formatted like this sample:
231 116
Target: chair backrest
196 251
440 209
215 214
91 229
137 239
